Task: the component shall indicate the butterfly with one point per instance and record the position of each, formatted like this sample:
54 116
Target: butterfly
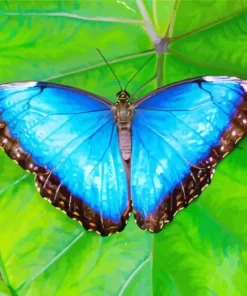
99 161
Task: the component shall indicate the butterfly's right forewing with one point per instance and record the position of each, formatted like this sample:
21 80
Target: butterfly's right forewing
69 139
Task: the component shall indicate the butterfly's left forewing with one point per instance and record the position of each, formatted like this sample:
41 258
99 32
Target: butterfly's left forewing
179 134
68 138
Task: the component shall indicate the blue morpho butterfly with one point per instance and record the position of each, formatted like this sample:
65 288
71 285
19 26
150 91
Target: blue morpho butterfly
98 161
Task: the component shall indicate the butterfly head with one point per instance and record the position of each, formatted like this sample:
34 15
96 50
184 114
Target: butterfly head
123 96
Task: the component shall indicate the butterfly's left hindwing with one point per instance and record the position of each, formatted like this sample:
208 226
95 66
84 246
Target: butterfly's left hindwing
179 134
69 139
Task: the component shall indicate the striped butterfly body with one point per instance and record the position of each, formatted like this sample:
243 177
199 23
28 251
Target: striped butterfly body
99 161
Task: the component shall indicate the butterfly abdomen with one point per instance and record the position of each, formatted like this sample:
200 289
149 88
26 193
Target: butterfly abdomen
123 117
125 143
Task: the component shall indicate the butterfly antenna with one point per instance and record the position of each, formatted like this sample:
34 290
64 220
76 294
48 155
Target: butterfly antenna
139 71
110 68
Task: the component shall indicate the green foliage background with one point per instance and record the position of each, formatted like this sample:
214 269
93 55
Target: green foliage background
42 251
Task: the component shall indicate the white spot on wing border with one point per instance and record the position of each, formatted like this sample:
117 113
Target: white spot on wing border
19 85
224 79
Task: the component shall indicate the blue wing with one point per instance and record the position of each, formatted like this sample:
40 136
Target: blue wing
68 138
179 133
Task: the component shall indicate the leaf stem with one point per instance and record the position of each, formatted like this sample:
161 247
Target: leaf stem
160 43
159 70
169 31
147 21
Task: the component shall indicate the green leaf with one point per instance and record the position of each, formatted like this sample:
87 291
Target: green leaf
4 290
203 251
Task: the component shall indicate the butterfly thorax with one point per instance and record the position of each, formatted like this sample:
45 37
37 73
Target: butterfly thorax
123 116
